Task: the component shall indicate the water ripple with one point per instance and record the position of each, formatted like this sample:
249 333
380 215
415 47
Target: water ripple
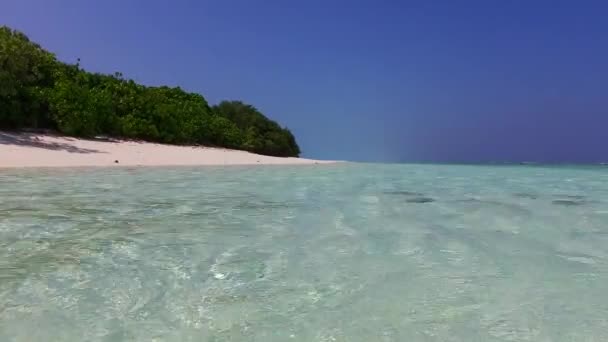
333 253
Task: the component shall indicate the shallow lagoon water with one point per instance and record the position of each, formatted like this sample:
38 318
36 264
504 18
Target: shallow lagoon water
342 252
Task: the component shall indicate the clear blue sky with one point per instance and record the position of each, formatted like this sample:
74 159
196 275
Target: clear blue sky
364 80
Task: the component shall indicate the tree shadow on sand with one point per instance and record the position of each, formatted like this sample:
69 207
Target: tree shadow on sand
25 139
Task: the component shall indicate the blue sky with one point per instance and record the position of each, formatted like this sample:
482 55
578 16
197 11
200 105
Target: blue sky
365 80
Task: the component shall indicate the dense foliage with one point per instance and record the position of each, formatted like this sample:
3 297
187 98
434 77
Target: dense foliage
258 133
38 91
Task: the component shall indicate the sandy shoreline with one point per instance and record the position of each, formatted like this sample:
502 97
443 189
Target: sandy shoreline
44 150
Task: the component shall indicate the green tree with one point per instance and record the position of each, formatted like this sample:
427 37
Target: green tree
25 73
38 91
260 134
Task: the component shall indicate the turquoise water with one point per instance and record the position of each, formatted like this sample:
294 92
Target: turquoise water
310 253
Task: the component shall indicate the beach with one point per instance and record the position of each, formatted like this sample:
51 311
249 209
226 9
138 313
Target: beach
48 150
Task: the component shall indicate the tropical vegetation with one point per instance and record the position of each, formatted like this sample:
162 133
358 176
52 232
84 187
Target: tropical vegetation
38 91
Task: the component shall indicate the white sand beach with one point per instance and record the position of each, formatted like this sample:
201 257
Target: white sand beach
46 150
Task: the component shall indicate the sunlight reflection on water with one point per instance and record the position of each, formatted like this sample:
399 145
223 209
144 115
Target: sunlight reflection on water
310 253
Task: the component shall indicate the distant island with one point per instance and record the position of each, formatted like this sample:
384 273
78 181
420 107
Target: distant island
37 91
